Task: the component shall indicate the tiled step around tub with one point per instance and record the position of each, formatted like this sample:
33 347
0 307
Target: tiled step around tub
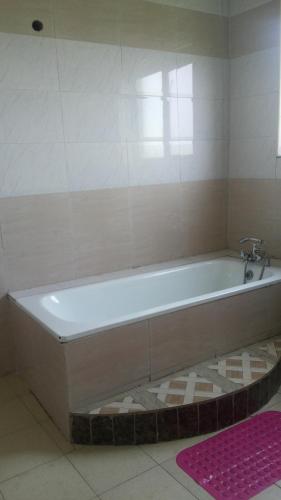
200 399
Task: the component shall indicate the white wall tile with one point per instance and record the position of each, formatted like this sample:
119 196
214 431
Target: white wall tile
96 166
208 118
89 67
199 76
254 74
153 163
91 117
30 116
202 160
28 62
252 117
149 118
27 169
148 72
253 159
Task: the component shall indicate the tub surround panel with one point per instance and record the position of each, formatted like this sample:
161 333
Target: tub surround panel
7 353
175 341
41 361
178 419
124 351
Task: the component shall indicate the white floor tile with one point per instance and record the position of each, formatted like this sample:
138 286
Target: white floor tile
172 468
54 433
33 405
13 417
161 452
155 484
54 481
6 393
272 493
17 384
23 450
106 467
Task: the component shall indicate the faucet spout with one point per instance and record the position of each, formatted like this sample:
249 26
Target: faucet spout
258 241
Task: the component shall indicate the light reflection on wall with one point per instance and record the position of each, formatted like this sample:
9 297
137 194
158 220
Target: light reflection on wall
166 124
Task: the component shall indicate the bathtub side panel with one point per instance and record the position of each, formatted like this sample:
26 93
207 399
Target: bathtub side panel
40 360
107 363
196 334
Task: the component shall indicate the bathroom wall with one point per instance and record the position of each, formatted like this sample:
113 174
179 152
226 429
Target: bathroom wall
113 137
254 206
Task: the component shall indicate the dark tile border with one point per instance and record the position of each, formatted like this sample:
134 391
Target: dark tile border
190 420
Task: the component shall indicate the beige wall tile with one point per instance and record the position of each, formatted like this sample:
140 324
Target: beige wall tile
17 16
148 25
96 20
205 34
37 239
256 29
101 231
254 209
107 363
204 216
134 23
156 223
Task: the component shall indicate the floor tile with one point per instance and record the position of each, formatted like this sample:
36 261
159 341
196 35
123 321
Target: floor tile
54 481
184 389
54 433
242 368
273 347
119 405
172 468
161 452
106 467
17 384
276 407
276 399
155 484
33 405
13 417
272 493
6 393
23 450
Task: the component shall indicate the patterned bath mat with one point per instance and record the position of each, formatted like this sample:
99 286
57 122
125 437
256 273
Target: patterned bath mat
240 462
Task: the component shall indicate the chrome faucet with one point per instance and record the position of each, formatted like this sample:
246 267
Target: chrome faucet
256 254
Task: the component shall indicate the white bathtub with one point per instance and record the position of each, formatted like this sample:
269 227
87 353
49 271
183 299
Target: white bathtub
82 310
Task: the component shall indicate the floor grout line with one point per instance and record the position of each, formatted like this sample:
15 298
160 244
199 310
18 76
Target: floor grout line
128 480
82 477
175 479
29 470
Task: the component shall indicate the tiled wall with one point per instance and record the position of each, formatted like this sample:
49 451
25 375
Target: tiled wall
254 172
113 137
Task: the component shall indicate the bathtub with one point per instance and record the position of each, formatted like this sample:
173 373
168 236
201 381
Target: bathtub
80 344
85 310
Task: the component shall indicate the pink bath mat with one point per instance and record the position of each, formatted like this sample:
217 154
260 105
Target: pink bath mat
240 462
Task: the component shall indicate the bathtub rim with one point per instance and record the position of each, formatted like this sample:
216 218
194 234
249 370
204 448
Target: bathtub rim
148 313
